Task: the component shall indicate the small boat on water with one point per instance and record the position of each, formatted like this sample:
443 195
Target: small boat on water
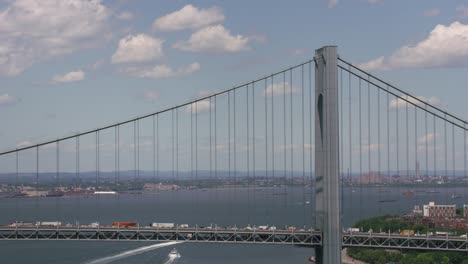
454 196
387 201
408 193
174 254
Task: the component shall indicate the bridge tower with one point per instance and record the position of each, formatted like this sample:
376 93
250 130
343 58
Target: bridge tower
327 176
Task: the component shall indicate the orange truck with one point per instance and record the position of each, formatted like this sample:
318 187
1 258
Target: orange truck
407 232
124 224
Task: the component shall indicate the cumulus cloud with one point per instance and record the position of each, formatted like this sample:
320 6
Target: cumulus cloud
446 46
401 103
427 138
280 89
125 16
214 39
6 99
35 30
73 76
163 71
139 48
189 17
199 107
432 12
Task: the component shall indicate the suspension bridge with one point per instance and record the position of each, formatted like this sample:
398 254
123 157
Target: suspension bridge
292 158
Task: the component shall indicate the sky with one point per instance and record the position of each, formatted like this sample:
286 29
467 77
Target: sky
70 66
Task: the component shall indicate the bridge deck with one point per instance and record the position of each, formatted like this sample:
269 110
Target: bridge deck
279 237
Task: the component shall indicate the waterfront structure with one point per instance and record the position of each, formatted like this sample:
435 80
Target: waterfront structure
433 210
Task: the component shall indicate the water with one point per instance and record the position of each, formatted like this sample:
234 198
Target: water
224 207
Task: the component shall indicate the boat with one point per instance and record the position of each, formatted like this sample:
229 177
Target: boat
55 194
432 191
408 193
174 254
454 196
387 201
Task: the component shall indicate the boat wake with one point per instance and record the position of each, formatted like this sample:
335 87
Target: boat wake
133 252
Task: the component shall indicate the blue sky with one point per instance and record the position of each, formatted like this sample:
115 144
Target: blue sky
68 66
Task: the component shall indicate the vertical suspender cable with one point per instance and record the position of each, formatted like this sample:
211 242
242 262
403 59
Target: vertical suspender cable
57 178
216 146
350 169
253 154
369 137
303 147
407 140
266 139
16 186
435 146
388 134
248 153
154 155
291 120
231 178
37 182
416 141
158 178
379 148
285 149
235 143
311 118
360 149
77 171
453 153
426 137
341 138
464 153
445 146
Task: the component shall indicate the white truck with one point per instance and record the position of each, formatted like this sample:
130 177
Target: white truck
49 223
163 225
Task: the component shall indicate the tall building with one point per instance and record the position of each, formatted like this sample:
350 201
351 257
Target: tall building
432 210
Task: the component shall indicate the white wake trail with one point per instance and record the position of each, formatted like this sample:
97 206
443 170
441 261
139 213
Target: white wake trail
133 252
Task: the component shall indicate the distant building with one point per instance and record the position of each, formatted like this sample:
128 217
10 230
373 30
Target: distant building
417 210
432 210
465 211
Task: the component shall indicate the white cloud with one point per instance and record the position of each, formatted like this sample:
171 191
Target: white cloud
35 30
139 48
6 99
446 46
151 96
214 39
432 12
125 16
427 138
199 107
73 76
401 103
462 11
163 71
280 89
189 17
332 3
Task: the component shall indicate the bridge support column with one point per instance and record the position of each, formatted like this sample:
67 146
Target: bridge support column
327 176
